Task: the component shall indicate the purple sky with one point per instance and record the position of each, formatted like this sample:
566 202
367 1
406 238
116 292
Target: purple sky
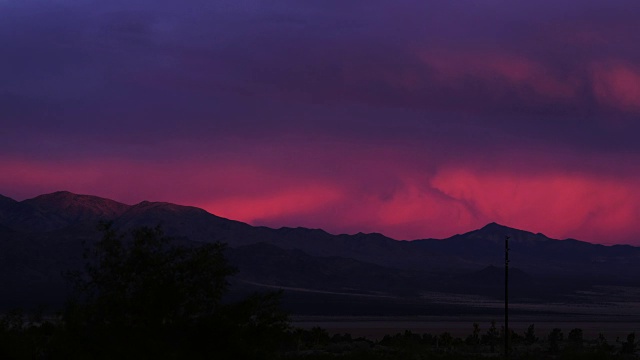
411 118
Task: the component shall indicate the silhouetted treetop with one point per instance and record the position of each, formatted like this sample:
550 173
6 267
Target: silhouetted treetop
142 296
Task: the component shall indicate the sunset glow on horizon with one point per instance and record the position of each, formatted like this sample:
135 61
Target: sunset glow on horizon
413 119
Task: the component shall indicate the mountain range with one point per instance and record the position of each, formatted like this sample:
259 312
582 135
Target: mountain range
42 237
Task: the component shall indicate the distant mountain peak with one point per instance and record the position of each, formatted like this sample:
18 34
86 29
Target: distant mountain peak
498 229
77 206
161 209
493 226
62 195
162 205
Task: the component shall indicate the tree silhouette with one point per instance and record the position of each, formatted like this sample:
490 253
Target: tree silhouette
530 335
629 346
492 337
141 296
474 339
575 338
555 336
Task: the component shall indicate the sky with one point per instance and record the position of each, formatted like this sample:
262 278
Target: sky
412 118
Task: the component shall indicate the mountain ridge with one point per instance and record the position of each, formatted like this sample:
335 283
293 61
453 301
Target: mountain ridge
76 206
115 209
42 237
461 252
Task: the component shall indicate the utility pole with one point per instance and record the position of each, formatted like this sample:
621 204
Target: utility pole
506 298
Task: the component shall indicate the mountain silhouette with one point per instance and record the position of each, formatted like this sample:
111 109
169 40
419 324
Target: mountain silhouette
41 238
74 207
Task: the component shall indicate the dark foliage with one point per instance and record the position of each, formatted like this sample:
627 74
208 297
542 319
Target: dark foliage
22 338
492 337
140 296
554 339
629 346
530 336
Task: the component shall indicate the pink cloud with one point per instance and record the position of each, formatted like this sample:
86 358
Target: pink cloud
617 84
277 205
562 205
516 72
412 211
614 83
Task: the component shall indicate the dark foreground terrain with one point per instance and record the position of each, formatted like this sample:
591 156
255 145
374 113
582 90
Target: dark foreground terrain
32 338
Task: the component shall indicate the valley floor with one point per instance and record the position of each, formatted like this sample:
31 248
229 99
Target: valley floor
376 327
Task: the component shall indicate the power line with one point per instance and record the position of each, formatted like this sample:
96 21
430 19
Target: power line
506 297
